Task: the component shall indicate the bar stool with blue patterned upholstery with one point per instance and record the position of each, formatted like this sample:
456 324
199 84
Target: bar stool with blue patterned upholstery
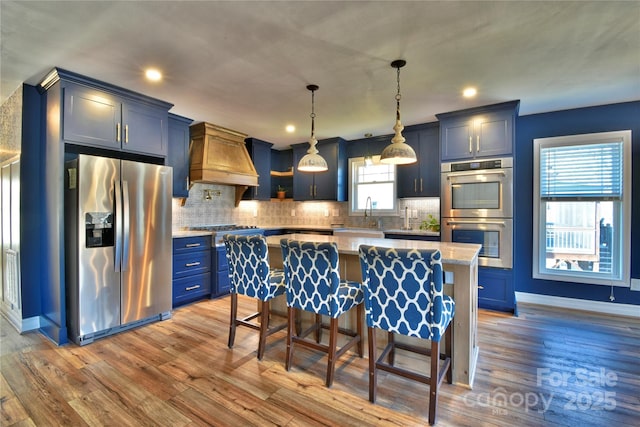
404 295
252 276
314 285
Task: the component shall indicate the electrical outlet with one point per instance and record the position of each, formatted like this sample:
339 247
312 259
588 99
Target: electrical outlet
635 284
293 212
326 212
336 212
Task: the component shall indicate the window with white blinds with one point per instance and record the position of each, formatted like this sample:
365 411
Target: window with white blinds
582 208
583 171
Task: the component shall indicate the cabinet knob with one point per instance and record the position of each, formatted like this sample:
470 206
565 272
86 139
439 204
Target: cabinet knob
477 142
470 142
118 132
192 264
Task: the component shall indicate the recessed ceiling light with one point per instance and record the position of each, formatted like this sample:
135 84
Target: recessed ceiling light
290 128
469 92
153 75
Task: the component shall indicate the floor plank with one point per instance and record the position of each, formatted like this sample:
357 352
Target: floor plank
547 367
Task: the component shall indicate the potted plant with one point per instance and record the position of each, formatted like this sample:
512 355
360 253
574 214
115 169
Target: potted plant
280 192
430 224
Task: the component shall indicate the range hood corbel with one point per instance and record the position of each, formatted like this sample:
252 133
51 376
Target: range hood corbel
219 156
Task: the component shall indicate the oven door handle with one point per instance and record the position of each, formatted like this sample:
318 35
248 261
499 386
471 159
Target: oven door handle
454 222
476 173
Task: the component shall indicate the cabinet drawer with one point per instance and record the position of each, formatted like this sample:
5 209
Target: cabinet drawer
191 288
186 264
190 244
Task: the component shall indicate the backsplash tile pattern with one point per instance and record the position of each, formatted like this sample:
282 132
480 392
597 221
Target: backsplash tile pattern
220 209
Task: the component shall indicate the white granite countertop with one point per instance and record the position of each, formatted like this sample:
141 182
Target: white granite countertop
452 253
413 232
189 233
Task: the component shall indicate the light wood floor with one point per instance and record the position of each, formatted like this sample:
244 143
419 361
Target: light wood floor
545 367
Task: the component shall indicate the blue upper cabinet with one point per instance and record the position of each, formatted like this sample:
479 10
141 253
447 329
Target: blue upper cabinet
101 115
260 153
478 132
178 154
328 185
421 179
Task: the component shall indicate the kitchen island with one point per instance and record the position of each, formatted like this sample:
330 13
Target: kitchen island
460 259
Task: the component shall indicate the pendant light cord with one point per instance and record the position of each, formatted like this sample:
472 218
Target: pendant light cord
313 114
398 96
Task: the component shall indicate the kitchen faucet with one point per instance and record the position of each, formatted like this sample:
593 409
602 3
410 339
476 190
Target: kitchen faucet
372 222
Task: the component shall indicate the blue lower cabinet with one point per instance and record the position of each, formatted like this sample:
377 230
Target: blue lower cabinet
191 269
495 289
191 288
222 283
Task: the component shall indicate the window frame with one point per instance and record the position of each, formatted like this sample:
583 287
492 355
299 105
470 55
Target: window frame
355 162
620 275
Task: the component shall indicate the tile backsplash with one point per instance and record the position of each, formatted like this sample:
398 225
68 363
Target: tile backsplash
214 204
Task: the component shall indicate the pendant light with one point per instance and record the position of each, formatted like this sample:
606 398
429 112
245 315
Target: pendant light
398 152
312 161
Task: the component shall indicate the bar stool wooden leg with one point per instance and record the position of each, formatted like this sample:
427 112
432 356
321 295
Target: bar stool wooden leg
264 326
291 316
359 314
318 329
372 364
392 352
232 320
433 381
333 341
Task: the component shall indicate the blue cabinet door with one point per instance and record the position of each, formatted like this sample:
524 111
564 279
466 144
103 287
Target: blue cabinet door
178 154
487 131
494 134
144 129
260 153
220 274
456 139
302 181
101 119
91 117
329 185
495 289
421 179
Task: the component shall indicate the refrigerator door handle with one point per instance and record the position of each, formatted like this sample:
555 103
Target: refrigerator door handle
125 225
118 212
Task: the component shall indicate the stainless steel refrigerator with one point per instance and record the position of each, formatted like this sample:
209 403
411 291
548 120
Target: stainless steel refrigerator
117 245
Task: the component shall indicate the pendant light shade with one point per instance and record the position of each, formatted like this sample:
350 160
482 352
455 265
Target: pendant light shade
312 161
398 152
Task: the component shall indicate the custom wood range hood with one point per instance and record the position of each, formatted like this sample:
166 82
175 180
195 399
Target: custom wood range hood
219 156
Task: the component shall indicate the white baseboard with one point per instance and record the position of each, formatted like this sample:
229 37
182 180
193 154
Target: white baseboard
22 325
580 304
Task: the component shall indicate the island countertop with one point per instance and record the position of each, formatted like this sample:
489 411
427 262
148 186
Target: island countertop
459 259
452 253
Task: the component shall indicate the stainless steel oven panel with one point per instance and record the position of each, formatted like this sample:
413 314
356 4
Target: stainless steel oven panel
504 227
504 203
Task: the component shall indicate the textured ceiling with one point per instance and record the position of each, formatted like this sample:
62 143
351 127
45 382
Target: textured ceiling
245 65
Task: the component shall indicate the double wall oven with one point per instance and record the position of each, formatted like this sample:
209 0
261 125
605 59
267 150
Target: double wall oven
477 207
